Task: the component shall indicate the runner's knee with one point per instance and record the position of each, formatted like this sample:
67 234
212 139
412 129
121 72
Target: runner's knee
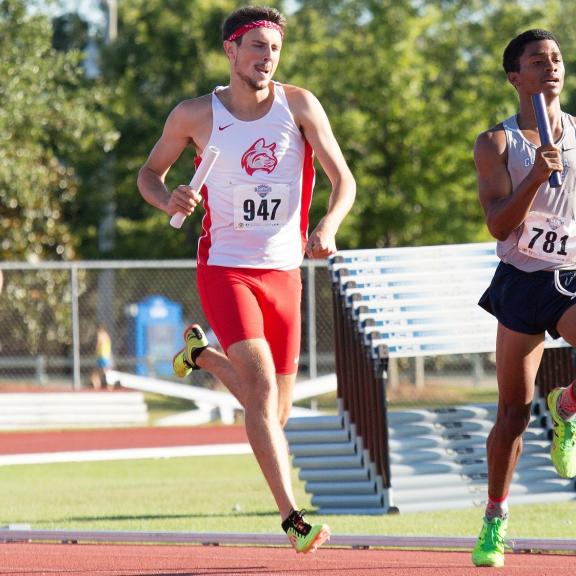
514 419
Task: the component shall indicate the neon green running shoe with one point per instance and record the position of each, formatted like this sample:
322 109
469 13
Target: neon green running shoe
489 549
183 362
303 536
563 451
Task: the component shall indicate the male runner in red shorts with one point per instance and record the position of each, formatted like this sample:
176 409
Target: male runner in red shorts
256 202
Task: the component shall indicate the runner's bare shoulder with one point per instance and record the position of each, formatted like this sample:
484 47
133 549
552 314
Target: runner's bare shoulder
491 142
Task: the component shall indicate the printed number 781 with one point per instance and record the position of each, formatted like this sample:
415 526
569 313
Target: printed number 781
549 244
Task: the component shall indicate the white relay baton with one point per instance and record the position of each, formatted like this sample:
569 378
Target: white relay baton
208 158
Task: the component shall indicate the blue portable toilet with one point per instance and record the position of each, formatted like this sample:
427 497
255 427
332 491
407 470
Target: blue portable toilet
158 330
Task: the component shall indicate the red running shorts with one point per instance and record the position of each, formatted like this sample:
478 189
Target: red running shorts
246 303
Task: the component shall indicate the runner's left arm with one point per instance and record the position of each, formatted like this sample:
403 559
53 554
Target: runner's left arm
314 123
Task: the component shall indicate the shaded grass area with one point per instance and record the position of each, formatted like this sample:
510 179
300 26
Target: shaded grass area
163 406
214 494
409 397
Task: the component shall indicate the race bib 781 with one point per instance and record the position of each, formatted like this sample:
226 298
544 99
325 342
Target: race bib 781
548 237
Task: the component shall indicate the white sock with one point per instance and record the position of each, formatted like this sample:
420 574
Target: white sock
497 508
567 403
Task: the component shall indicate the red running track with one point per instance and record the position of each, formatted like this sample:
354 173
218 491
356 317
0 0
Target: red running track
37 442
21 559
27 559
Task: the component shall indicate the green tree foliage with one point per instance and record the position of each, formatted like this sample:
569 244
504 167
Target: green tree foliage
70 31
409 85
49 123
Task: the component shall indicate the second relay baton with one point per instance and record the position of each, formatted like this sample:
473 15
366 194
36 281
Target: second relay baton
545 132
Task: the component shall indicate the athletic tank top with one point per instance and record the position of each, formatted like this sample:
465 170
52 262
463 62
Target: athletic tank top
258 195
542 242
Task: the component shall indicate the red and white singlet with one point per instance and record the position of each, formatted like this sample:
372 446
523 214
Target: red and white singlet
257 197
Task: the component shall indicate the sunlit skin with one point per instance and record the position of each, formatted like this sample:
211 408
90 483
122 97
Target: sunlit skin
541 69
253 62
248 97
247 369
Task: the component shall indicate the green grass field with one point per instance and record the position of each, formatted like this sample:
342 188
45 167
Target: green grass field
214 494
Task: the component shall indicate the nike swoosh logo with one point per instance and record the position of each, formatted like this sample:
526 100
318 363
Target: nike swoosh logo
224 127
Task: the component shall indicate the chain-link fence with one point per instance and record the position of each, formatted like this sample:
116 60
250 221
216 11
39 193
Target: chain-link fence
50 312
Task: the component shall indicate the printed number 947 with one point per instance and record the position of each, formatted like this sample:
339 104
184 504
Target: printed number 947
263 210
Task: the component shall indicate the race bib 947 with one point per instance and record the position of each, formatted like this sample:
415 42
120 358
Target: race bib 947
260 206
549 237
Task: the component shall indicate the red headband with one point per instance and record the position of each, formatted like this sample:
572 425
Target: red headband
240 31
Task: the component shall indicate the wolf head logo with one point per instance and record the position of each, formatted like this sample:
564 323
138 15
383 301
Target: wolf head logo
259 157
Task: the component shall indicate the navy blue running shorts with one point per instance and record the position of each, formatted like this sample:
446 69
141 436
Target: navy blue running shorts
528 302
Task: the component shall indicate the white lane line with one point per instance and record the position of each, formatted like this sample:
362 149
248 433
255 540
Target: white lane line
125 454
